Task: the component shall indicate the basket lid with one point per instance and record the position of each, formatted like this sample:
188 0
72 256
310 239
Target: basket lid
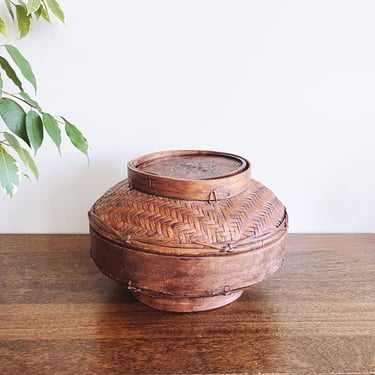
190 174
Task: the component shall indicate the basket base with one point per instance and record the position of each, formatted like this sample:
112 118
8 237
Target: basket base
186 304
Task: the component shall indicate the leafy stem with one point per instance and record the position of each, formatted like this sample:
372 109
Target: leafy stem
22 100
25 122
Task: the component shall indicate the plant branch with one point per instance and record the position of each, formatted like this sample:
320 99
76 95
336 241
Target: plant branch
21 99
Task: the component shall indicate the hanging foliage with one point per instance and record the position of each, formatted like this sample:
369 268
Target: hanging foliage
24 123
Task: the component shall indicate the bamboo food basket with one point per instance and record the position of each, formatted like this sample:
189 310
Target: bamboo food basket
188 230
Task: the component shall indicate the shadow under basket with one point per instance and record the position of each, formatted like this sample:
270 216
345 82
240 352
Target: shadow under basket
188 230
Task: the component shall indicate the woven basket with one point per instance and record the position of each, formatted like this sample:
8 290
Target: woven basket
188 230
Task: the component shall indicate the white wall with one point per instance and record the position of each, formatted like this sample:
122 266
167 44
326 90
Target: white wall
290 85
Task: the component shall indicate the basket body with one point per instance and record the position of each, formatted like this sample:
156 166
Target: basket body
188 230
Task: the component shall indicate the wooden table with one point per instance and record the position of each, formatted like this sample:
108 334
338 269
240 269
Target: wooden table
60 315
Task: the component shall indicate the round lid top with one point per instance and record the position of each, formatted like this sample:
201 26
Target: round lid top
190 174
194 166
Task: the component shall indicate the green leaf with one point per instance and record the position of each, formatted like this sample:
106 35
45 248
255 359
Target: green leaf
26 97
9 7
76 137
24 155
38 13
23 20
10 72
53 129
34 128
14 117
13 142
22 64
29 162
10 176
44 13
56 9
23 4
33 5
1 86
3 28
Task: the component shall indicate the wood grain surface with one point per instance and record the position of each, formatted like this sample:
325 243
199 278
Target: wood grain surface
60 315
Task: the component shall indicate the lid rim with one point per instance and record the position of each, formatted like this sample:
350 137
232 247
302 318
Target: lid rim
210 189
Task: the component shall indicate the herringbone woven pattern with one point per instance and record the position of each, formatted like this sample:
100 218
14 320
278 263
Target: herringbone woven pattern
123 215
